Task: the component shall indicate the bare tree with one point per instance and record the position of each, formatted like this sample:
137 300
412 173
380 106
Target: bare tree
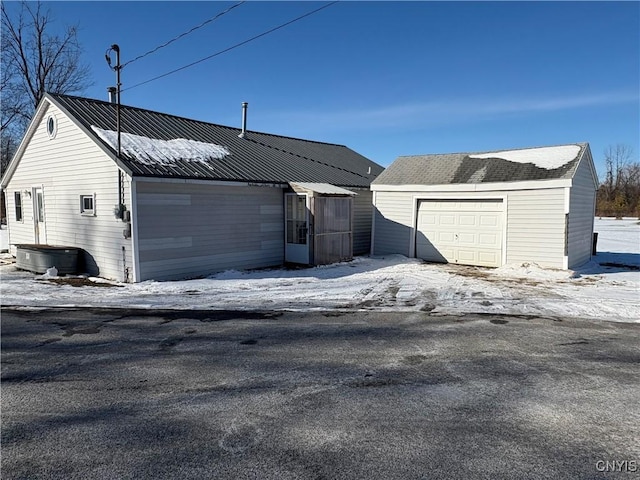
619 194
35 60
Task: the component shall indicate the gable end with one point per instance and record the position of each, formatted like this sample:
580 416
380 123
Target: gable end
31 129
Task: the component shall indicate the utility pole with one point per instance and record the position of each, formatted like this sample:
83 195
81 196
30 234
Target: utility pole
121 208
117 68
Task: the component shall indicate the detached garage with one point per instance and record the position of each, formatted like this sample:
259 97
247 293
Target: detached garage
489 208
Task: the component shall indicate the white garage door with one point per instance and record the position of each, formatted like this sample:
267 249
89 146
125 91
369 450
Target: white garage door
459 231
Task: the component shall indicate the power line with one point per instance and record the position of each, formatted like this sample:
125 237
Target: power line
206 22
233 47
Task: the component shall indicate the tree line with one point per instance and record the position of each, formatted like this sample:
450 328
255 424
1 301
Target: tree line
619 192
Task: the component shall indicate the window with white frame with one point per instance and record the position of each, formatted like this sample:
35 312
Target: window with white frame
88 205
18 201
52 126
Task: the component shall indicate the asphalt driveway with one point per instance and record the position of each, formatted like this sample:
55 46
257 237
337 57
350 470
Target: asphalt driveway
110 394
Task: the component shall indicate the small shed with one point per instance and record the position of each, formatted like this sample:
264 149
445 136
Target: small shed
319 218
489 208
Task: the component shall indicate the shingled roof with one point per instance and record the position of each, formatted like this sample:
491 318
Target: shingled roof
527 164
257 158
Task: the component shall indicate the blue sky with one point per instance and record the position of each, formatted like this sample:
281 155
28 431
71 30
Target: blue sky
384 78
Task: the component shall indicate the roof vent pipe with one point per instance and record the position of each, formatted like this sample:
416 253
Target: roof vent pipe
244 120
112 94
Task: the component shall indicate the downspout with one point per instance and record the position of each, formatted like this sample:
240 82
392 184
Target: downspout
134 232
373 224
567 211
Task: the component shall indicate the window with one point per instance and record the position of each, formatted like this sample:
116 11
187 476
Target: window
39 206
297 219
87 205
52 126
18 201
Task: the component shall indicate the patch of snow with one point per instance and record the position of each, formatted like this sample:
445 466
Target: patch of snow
387 283
50 273
618 241
533 270
152 151
548 158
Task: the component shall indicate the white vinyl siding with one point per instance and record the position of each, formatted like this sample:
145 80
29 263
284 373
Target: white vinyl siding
393 217
21 231
64 167
189 230
536 227
581 216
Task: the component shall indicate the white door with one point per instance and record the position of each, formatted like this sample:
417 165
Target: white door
40 235
296 228
459 231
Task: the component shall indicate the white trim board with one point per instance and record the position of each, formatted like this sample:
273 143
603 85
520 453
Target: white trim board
475 187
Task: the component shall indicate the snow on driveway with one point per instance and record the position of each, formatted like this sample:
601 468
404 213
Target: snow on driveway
607 288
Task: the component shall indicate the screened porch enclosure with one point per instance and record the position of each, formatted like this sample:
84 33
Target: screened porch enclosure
319 224
333 233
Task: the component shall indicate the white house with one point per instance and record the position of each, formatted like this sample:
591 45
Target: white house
489 208
183 198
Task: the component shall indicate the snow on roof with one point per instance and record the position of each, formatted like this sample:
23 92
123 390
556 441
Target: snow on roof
323 188
548 158
151 151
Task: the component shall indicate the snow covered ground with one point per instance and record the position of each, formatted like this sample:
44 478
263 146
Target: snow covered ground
607 288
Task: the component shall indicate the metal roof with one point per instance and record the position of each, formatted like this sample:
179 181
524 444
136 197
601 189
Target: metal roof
463 168
258 157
